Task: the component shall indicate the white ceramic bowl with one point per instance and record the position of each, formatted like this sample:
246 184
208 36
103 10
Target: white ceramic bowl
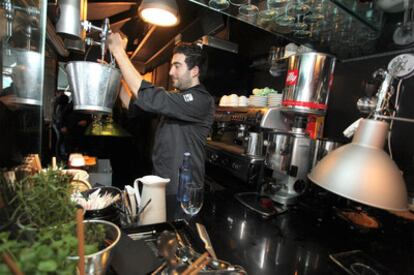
77 174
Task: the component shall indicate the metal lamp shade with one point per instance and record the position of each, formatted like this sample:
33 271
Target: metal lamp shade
362 171
72 12
162 13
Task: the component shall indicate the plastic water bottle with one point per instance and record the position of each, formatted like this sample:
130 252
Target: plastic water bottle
185 175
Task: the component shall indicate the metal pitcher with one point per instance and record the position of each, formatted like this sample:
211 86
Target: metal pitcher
254 144
278 152
322 148
95 86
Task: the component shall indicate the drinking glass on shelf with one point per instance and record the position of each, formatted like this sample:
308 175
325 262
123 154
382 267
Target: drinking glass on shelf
248 12
300 25
286 22
301 8
239 2
192 198
266 18
219 4
316 14
300 28
302 33
275 4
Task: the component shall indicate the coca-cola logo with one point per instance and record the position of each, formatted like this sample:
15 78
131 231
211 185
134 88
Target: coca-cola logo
291 77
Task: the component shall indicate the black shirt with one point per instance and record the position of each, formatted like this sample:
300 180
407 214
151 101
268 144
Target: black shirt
187 118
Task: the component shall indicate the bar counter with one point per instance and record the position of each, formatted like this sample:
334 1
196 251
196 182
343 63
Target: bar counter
300 240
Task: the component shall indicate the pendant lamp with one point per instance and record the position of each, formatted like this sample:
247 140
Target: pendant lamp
362 171
163 13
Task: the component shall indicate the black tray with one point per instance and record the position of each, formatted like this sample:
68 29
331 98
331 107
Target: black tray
136 252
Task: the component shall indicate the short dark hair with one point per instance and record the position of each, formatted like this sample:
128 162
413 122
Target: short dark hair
194 56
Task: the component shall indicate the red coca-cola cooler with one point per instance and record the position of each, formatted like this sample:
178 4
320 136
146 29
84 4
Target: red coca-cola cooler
308 83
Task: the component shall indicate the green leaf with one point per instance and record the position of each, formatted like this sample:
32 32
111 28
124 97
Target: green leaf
90 249
57 244
45 252
70 240
4 269
27 255
48 266
63 252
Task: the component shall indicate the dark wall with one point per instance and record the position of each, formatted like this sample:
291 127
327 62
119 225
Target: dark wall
230 73
226 73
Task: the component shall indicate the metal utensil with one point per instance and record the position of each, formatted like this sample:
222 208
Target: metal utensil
143 208
202 232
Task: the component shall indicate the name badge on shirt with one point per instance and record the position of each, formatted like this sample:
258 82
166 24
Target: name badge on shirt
188 97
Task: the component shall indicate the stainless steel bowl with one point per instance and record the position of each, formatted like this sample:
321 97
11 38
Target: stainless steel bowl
98 262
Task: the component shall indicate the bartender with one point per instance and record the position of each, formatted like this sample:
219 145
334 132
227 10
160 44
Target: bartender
187 114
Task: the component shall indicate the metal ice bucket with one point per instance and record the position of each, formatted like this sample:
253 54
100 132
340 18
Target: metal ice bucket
95 86
27 76
97 263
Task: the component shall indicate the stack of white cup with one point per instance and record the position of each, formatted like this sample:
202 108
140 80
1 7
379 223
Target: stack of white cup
233 100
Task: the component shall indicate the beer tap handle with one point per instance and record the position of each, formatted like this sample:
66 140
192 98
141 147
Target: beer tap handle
105 30
9 14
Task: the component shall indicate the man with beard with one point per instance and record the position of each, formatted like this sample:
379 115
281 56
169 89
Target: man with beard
187 114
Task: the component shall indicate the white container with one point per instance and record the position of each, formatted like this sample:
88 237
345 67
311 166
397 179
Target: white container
154 189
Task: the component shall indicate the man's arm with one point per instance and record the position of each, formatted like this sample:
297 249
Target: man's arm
132 77
125 94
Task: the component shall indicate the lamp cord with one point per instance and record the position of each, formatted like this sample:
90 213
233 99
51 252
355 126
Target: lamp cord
394 112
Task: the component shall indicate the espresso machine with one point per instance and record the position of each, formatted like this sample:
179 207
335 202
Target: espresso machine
236 146
289 147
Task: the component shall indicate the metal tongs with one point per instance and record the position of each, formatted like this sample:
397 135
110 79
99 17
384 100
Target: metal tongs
181 258
202 232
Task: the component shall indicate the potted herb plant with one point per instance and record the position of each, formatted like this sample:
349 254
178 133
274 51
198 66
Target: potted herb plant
45 208
53 251
43 200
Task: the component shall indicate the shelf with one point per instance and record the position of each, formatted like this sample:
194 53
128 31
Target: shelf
345 28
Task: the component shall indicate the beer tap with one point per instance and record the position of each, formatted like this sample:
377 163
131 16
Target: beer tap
104 32
9 14
10 9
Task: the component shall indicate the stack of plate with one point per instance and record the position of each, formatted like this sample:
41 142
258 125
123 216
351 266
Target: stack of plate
274 100
258 101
